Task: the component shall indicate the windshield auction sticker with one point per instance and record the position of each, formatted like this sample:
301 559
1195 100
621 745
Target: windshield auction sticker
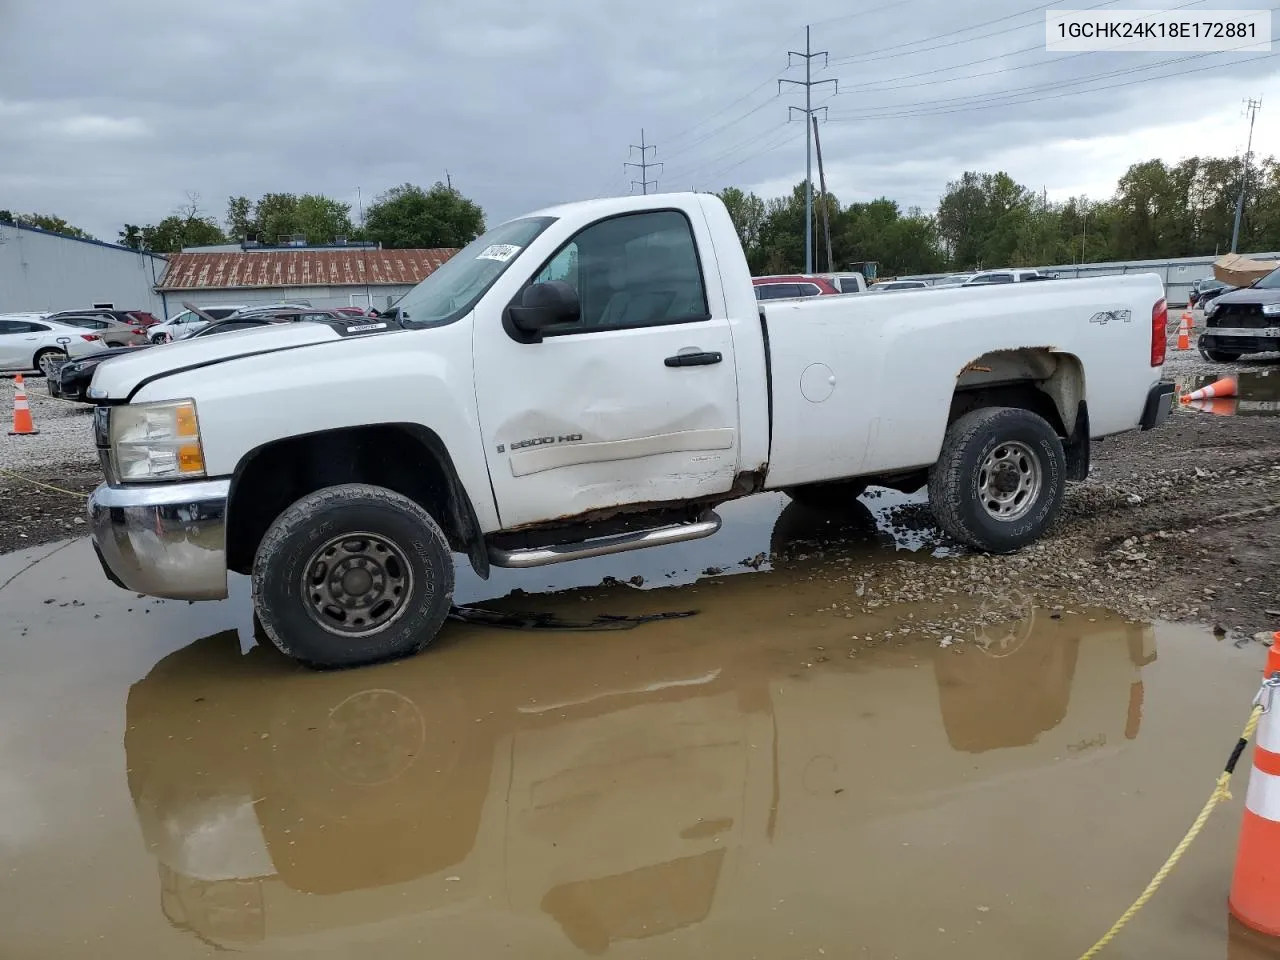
1166 31
502 252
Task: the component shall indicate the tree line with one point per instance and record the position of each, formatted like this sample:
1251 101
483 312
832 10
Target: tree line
987 220
404 217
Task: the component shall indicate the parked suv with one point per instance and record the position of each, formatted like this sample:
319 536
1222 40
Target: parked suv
1243 321
113 333
787 287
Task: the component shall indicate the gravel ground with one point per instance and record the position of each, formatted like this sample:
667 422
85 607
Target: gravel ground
61 454
1180 523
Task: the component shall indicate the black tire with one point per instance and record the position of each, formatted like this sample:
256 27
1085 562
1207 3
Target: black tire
313 627
833 495
958 496
46 352
1216 356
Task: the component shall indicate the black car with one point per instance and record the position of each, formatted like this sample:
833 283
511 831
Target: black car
1243 321
247 321
70 379
1202 291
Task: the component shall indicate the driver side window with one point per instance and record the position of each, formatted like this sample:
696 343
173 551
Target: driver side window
635 270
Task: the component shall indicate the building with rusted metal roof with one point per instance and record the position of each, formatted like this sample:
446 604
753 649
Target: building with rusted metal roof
338 276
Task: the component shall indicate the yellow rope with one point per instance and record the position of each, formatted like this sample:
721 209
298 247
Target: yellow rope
1220 793
41 483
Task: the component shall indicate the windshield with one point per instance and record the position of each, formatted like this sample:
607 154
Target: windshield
1270 282
459 282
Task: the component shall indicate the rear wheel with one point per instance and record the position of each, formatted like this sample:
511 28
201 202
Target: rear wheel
999 480
834 495
352 574
46 360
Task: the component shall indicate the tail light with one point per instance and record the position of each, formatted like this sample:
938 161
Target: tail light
90 337
1159 321
137 330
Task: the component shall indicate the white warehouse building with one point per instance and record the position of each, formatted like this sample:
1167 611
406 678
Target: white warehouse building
344 276
42 272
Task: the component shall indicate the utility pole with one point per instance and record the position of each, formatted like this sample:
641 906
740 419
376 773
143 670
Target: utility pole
822 181
644 182
448 179
808 83
1253 106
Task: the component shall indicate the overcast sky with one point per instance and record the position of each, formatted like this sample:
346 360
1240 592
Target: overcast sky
110 111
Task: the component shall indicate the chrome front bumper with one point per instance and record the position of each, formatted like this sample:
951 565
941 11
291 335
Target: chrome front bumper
163 539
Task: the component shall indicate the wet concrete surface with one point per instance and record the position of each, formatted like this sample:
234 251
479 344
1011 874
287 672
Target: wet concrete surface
1258 394
761 780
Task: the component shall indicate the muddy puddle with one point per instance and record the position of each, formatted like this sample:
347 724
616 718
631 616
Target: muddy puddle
773 777
1259 395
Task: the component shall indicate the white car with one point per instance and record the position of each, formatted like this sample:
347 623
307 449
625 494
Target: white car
585 380
988 277
29 343
187 322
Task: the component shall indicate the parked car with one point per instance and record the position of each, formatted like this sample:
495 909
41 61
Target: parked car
1203 289
524 420
353 311
27 344
188 322
1244 320
70 379
131 318
791 286
953 280
1006 276
845 282
112 332
892 286
267 319
1207 298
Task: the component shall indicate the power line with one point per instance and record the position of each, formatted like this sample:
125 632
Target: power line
1053 85
789 134
1059 96
1252 106
685 172
885 52
809 110
644 164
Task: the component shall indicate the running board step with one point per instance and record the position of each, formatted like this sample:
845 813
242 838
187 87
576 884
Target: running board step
601 546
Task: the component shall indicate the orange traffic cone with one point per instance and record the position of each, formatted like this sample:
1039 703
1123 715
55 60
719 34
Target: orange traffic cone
21 411
1221 407
1255 885
1184 331
1226 387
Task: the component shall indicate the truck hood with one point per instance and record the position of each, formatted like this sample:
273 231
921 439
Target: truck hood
1250 295
122 375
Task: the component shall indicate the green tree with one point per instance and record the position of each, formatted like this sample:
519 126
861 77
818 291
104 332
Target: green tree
131 236
175 232
46 221
240 221
409 217
747 212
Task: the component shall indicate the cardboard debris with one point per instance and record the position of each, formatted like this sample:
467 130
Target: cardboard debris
1238 271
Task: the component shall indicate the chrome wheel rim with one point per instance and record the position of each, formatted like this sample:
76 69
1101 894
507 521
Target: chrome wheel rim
1009 481
48 363
357 584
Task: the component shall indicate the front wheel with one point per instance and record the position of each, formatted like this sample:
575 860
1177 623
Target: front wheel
1216 356
999 480
352 574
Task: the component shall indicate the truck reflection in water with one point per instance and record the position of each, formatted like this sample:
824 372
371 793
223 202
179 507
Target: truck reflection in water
594 788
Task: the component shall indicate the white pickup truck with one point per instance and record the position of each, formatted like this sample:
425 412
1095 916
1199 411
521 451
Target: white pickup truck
585 380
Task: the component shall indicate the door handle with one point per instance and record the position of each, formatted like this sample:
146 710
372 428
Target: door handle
694 358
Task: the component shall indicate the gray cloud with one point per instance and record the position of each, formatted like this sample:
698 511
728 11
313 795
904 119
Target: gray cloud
111 111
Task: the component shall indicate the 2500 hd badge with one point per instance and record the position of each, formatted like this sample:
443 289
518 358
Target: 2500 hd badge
543 441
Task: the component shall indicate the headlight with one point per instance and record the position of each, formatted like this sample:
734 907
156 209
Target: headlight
1271 309
156 441
1210 307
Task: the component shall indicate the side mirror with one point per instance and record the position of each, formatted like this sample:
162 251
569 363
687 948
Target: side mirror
545 305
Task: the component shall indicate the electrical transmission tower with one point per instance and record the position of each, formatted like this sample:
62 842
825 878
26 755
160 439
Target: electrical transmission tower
1252 106
809 110
644 182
